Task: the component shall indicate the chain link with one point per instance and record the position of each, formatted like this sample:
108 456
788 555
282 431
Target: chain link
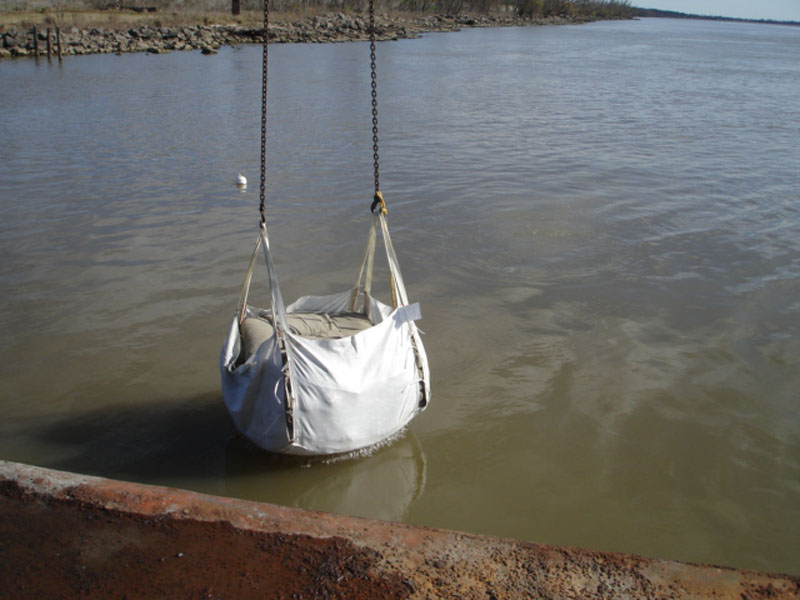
264 81
374 84
264 61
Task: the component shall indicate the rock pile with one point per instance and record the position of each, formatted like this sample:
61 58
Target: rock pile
337 27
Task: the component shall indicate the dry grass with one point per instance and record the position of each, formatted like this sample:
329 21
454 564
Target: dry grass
173 13
120 19
86 18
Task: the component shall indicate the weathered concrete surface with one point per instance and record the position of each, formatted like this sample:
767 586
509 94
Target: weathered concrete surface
71 536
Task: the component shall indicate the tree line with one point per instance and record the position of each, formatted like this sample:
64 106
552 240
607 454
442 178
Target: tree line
525 8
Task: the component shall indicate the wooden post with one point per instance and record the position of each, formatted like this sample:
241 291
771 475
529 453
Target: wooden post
49 46
58 42
35 42
235 7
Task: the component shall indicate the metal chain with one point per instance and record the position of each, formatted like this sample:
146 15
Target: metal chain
264 61
374 77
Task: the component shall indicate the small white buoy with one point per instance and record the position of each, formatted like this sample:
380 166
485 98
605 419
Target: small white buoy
241 183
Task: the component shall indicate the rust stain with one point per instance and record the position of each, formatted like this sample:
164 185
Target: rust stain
65 535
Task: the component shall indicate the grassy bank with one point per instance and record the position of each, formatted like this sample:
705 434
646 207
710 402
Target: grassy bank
172 13
91 29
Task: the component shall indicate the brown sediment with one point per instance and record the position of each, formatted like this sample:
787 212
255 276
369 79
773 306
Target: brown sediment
71 536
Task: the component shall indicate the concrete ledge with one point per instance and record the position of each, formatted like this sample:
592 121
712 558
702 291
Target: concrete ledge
72 536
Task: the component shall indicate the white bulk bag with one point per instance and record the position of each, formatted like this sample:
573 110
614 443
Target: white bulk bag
303 389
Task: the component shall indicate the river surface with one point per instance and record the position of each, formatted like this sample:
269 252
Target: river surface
601 223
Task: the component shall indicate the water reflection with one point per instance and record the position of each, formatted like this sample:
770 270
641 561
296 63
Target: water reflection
380 483
191 442
151 442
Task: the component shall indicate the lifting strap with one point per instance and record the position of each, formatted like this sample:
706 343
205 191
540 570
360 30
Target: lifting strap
363 285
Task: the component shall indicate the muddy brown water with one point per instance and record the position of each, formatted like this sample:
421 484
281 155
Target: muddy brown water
600 222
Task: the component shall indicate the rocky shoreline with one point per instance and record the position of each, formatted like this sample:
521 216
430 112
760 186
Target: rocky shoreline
335 27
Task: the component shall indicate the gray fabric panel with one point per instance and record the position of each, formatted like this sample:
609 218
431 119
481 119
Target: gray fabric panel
350 324
255 331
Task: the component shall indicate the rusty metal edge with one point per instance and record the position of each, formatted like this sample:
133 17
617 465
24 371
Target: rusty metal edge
474 565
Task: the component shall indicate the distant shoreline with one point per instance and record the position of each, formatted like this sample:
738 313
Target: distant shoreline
671 14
